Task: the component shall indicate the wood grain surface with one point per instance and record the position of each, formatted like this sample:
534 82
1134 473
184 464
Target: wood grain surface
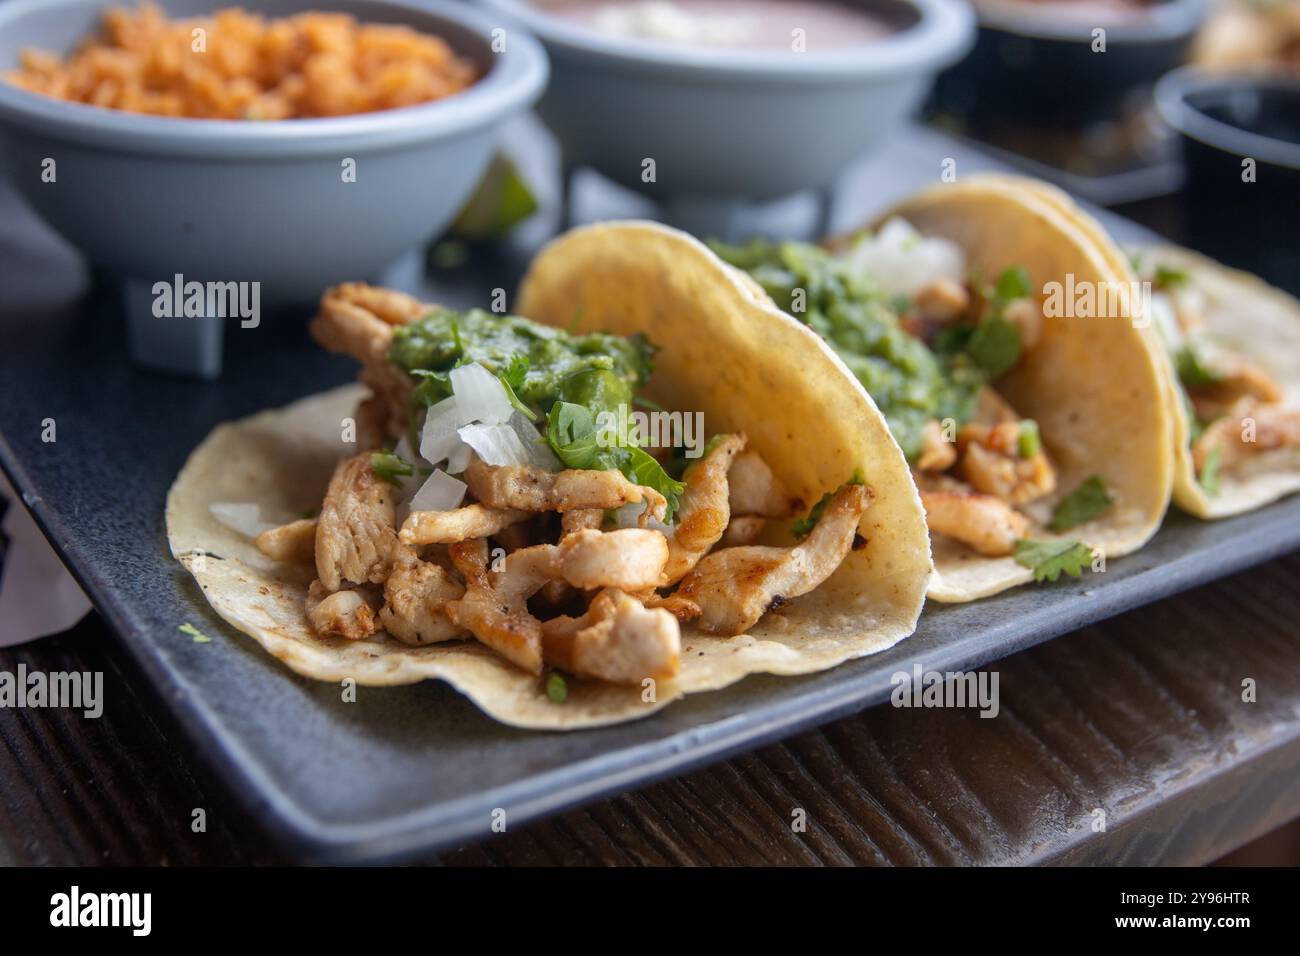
1140 718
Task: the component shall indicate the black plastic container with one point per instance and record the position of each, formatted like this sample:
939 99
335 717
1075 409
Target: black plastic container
1241 146
1034 65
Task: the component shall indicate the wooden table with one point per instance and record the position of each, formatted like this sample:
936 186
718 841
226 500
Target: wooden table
1141 716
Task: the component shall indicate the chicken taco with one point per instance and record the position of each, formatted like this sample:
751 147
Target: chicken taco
647 482
1232 344
1035 432
1234 348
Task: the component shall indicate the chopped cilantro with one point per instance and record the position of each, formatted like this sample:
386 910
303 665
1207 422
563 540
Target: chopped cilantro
1169 276
994 345
1209 476
1192 370
571 433
1012 284
1082 504
1049 559
1028 441
803 526
195 634
390 467
556 688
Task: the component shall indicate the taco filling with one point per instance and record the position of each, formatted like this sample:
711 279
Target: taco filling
930 339
503 492
1236 409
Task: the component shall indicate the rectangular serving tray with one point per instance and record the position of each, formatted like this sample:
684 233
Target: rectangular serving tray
403 771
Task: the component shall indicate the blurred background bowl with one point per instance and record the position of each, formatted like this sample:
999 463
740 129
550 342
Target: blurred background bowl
735 124
219 200
1241 148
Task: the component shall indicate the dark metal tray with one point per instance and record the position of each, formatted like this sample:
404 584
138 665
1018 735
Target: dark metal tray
405 770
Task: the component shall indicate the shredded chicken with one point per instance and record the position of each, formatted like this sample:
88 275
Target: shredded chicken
495 605
416 595
293 543
741 530
1027 316
346 613
682 608
937 453
1240 380
355 534
736 586
529 488
942 300
630 559
460 524
617 640
985 523
753 489
1275 426
703 510
581 518
990 461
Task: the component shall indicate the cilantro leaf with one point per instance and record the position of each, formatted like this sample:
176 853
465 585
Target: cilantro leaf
557 689
803 526
1209 476
194 633
1012 284
1082 504
1167 277
994 345
571 433
389 467
1192 370
1028 442
1049 559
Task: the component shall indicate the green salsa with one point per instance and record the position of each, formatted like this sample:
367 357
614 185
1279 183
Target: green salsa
595 370
562 381
910 382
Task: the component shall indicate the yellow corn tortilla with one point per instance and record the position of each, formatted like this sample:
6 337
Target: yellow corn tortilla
1096 386
725 351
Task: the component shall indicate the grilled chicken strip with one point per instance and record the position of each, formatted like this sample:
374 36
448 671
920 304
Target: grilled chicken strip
704 509
529 488
1276 426
736 586
937 453
990 461
293 543
580 518
752 488
617 640
985 523
416 596
459 524
346 613
355 534
742 530
495 606
1238 381
630 558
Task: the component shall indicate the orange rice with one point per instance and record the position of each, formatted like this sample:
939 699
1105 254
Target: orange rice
238 65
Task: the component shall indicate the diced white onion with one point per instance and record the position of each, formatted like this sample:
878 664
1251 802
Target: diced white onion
480 396
539 452
438 438
496 444
459 458
243 518
440 493
904 262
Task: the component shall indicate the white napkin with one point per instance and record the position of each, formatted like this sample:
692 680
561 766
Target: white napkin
38 596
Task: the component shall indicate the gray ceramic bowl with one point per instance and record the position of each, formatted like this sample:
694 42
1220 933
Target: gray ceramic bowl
727 123
216 200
